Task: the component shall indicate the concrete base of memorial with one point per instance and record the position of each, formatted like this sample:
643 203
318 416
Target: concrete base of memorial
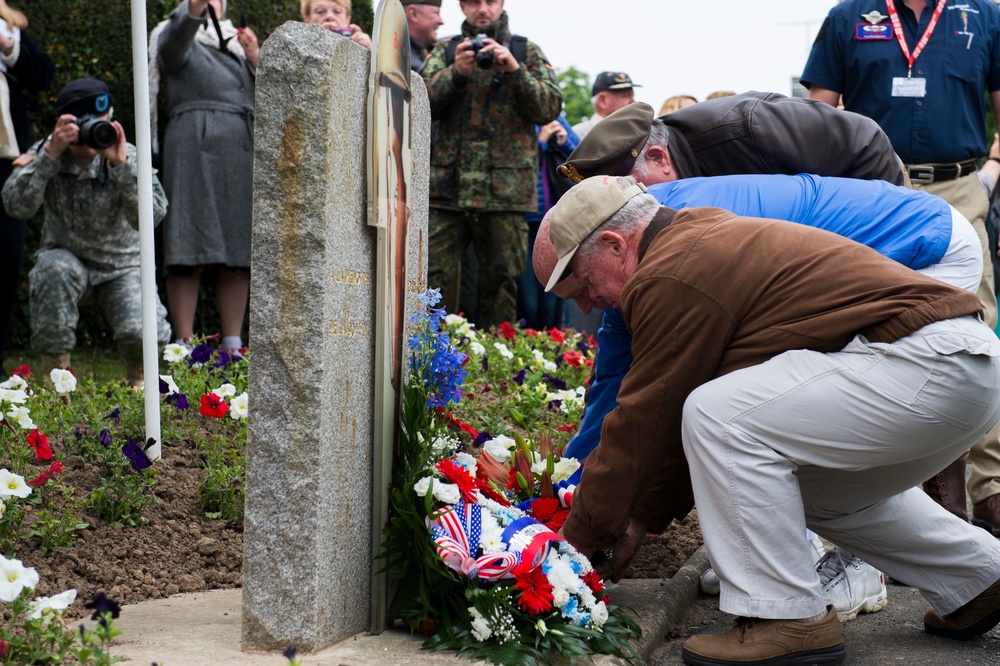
204 628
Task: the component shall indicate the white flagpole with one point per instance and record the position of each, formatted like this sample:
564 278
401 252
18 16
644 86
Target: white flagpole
147 257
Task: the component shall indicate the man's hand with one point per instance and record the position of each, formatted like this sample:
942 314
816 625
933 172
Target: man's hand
623 553
118 152
65 134
359 36
555 129
465 59
503 59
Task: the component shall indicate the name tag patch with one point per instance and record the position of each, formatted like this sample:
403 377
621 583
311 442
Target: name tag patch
867 32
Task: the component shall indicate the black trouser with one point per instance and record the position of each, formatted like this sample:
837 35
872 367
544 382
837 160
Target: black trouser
11 258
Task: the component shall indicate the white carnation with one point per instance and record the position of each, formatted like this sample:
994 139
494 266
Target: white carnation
599 614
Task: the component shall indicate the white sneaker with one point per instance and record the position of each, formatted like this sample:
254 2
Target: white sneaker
851 585
710 582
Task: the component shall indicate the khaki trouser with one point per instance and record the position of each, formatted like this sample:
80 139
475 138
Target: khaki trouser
968 197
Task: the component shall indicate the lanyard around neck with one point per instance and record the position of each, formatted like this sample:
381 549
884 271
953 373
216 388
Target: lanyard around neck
897 28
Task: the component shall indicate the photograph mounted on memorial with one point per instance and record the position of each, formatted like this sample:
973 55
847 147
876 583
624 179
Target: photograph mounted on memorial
473 540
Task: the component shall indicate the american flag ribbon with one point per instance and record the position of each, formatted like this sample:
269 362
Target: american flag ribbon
456 530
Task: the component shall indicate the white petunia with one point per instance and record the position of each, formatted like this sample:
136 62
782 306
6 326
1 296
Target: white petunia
14 383
477 348
539 356
454 320
499 448
447 493
14 577
238 406
22 417
53 604
225 391
502 348
12 485
3 508
64 380
173 353
12 395
171 384
549 366
466 461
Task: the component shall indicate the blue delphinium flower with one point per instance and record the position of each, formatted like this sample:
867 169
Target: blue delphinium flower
435 360
431 297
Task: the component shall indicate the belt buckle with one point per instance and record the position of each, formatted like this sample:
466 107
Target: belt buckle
922 174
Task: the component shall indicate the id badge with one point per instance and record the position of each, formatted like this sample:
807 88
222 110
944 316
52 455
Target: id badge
903 86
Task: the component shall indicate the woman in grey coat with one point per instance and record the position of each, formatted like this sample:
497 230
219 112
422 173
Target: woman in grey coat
207 68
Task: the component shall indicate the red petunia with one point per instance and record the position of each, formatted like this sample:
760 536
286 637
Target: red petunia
40 443
55 468
213 406
530 332
22 371
460 477
569 427
557 335
507 331
536 591
547 511
574 358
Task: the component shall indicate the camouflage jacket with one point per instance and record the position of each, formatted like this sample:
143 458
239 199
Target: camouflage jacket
484 153
91 210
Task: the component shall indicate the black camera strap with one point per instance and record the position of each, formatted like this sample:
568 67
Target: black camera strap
223 43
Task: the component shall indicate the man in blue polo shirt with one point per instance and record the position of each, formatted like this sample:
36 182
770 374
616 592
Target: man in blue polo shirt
919 68
916 229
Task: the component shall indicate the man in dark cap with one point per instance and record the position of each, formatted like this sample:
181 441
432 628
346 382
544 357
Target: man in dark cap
83 178
423 18
748 133
610 92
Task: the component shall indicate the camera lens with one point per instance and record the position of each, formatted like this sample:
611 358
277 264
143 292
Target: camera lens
484 60
96 133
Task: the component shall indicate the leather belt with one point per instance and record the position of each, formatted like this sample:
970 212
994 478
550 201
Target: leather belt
924 174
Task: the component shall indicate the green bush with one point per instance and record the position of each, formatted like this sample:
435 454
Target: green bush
84 40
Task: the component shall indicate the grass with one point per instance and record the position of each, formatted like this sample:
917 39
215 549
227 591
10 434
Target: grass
97 363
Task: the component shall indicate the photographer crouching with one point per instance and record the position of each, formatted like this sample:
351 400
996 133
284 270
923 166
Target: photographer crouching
83 177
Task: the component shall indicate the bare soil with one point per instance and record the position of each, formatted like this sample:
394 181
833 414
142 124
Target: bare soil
180 550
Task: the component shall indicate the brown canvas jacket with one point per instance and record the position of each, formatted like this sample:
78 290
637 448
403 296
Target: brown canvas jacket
715 293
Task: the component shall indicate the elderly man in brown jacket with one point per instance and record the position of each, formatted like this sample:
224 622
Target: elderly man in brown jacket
788 377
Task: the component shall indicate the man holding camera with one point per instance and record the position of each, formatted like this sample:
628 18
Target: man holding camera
83 178
488 89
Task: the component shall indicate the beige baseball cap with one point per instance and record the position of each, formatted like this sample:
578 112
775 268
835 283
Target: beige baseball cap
578 214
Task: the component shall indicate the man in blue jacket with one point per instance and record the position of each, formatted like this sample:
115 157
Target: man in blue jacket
916 229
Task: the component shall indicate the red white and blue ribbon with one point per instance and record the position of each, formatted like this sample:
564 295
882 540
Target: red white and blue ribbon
530 539
456 530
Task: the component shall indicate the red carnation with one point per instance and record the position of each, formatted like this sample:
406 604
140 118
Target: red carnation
213 406
594 582
507 331
556 335
460 477
536 591
40 443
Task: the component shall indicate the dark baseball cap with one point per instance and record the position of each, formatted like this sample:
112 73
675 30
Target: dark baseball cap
84 96
612 81
611 146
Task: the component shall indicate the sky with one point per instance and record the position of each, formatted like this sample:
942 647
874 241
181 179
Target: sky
670 47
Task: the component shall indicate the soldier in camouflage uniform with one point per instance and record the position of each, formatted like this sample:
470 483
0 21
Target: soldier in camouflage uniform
484 155
90 238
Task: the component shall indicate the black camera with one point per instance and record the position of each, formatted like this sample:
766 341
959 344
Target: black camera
95 132
484 60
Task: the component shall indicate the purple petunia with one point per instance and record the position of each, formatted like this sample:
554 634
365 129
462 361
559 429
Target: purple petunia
115 415
105 437
178 400
519 377
164 387
483 437
555 382
200 354
102 604
136 455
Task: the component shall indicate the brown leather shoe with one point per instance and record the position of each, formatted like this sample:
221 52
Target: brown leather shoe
771 642
973 619
986 514
947 488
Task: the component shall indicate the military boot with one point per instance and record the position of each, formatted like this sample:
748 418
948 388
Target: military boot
50 361
947 488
